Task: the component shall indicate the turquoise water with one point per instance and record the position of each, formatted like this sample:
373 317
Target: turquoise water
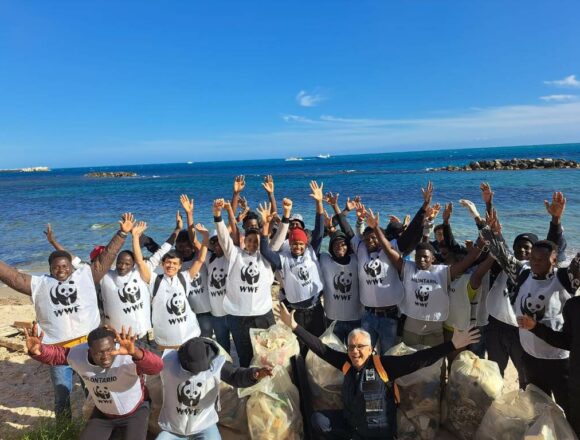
84 211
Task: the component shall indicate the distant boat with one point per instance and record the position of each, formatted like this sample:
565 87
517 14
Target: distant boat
189 162
323 156
292 159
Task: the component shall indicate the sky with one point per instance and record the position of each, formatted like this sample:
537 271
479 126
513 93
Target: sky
121 82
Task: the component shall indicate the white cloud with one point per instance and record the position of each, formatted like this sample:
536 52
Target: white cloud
295 118
569 81
306 99
558 98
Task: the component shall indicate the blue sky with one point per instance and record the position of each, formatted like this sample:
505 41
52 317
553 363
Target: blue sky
110 82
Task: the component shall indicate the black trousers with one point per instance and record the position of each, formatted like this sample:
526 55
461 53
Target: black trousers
312 320
100 427
551 376
502 342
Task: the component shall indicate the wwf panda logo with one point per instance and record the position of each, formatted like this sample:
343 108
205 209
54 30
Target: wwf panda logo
176 305
343 282
130 292
64 293
422 293
303 274
218 278
533 307
102 393
373 268
250 273
189 393
196 282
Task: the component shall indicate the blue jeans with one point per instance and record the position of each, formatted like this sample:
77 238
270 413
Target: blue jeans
61 377
383 328
211 433
205 324
343 328
222 331
240 327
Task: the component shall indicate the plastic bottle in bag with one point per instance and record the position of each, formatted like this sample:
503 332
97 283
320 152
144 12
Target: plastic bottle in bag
273 346
473 385
325 381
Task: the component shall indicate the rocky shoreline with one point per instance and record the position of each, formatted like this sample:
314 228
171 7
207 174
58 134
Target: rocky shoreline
111 174
511 164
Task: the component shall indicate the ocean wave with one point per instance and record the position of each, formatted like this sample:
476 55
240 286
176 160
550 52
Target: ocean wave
97 226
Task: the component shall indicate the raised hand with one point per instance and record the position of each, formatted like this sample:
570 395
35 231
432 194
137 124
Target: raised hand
187 203
126 341
361 211
556 208
49 234
327 220
287 207
331 199
265 212
239 184
486 193
126 222
178 221
202 230
218 205
470 206
447 212
427 194
268 184
406 221
286 317
394 219
526 322
432 212
316 191
138 229
463 338
243 204
34 340
372 219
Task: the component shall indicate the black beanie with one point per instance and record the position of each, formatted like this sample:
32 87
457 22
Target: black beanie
528 236
194 355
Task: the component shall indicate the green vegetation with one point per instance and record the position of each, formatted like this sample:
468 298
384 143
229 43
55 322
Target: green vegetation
55 430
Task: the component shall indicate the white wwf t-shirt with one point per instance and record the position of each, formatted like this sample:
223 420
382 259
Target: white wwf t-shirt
341 295
173 320
301 275
426 292
217 276
379 282
198 295
115 390
544 301
66 310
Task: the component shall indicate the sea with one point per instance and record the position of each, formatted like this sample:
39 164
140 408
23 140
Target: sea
84 211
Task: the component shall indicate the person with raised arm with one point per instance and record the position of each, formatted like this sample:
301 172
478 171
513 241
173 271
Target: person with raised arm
173 320
112 368
65 302
299 265
502 334
248 298
369 393
339 268
426 288
380 287
541 290
197 294
191 379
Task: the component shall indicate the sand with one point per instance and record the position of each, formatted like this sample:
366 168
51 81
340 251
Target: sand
26 397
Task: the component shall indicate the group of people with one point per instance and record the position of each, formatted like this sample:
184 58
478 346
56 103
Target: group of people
108 324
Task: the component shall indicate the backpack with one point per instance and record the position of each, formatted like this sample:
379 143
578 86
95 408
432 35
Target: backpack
382 374
180 277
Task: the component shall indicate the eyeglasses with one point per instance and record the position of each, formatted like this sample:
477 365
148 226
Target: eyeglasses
358 347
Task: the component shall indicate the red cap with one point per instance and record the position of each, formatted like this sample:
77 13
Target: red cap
98 250
297 234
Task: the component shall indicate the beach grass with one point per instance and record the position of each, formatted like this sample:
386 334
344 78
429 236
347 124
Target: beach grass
55 430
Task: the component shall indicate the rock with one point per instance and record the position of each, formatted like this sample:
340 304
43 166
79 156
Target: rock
109 174
503 165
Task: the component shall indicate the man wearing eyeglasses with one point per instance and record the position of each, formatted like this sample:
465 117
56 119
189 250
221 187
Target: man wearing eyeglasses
369 395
